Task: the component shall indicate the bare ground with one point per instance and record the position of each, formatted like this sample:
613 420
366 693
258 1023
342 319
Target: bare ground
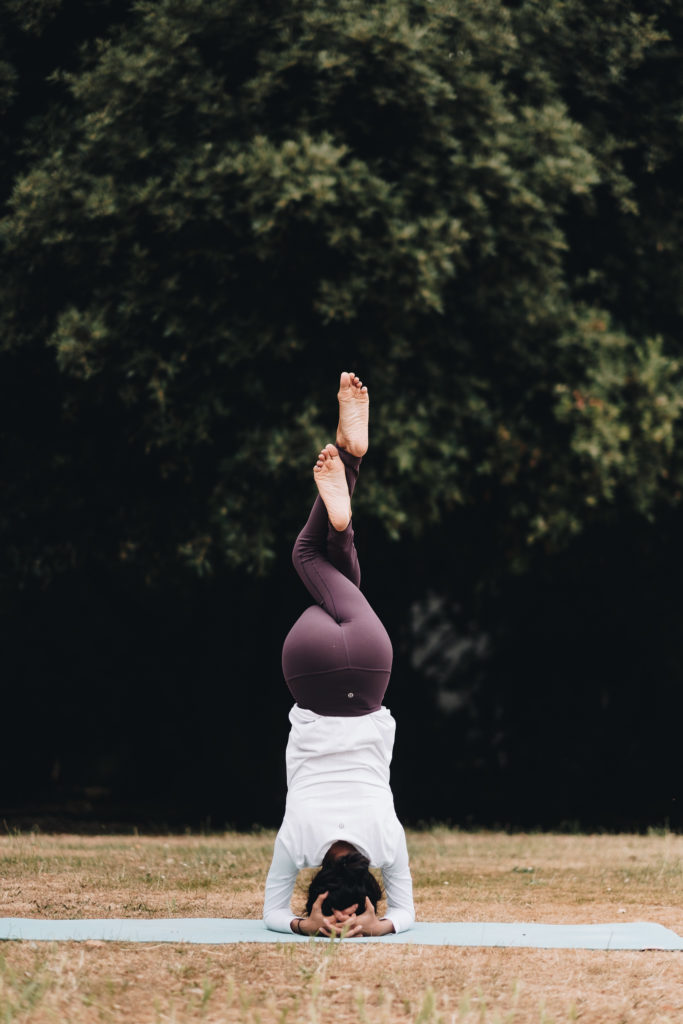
458 876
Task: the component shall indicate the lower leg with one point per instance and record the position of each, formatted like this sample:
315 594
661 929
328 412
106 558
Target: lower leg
327 538
328 531
351 468
319 535
341 549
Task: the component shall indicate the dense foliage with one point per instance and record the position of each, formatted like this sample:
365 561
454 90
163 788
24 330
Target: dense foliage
218 204
210 207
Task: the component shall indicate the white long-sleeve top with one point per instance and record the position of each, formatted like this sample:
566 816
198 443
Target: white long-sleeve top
338 788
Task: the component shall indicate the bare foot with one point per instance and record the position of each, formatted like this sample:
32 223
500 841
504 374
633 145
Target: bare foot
354 410
330 477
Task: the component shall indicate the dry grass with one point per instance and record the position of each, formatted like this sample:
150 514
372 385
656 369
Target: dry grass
458 876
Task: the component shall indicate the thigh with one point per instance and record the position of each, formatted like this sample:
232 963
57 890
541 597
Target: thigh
367 642
313 645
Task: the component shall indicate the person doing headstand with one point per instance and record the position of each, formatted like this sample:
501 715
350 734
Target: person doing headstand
336 661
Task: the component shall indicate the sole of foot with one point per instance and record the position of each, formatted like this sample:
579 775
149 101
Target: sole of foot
354 412
330 477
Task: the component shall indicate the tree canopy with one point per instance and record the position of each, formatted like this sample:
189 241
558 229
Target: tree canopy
213 206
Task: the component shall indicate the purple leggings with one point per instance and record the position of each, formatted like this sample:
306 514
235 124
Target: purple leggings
337 656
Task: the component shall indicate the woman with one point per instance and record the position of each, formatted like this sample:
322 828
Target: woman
336 660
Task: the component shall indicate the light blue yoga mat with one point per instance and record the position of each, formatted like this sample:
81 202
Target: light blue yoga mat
214 931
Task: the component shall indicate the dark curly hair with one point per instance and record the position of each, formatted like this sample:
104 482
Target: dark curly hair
346 880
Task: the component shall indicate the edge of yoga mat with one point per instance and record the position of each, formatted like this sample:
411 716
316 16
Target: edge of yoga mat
634 935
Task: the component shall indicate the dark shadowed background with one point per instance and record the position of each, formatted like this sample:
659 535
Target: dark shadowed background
211 208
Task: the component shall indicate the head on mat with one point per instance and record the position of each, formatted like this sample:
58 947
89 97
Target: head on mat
346 878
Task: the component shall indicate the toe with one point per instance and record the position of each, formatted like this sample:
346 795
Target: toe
345 380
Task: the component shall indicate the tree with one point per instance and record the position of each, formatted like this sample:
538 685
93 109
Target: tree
222 206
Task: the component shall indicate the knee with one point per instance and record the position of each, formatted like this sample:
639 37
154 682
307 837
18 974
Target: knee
298 551
303 550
